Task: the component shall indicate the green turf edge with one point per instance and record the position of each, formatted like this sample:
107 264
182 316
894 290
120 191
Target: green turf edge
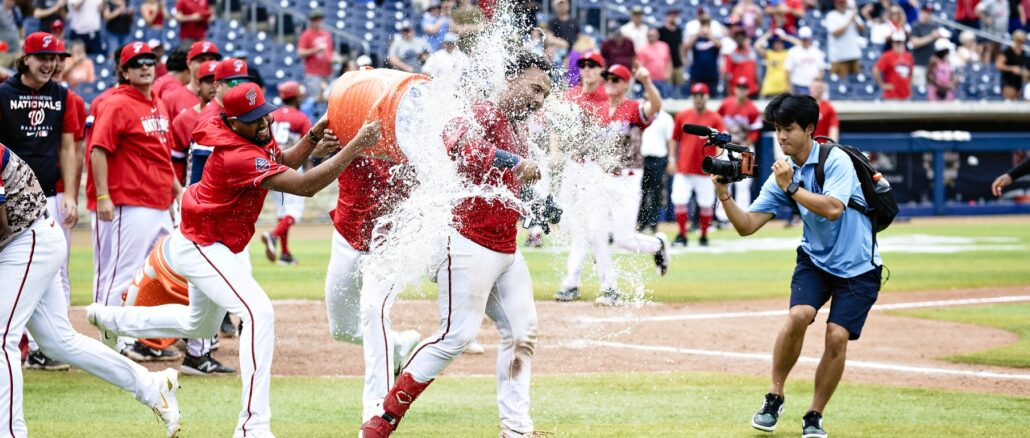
1013 317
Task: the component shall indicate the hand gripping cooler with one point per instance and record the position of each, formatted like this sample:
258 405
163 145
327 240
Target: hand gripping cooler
157 284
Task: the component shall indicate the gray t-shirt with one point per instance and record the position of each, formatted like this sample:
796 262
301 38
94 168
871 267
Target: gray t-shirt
921 55
844 47
409 51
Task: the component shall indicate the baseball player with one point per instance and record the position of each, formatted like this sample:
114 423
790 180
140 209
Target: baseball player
178 73
743 121
37 124
289 123
31 252
183 98
624 118
484 271
208 249
228 74
685 155
130 184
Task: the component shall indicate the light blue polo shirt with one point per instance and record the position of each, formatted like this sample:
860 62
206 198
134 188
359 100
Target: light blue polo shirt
841 247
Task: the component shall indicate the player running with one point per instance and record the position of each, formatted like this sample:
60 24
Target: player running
289 123
218 216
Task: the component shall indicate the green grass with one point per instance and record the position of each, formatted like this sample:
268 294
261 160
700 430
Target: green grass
693 276
609 405
1012 317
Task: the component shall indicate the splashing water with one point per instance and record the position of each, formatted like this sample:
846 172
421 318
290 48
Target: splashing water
415 244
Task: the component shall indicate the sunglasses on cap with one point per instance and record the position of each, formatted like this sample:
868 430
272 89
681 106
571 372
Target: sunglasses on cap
237 81
141 62
587 64
613 79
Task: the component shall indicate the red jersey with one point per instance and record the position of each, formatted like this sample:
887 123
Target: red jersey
595 102
896 69
692 150
742 64
180 99
488 223
182 134
319 63
224 205
193 30
741 119
134 131
212 109
76 103
622 120
827 119
164 85
289 123
367 192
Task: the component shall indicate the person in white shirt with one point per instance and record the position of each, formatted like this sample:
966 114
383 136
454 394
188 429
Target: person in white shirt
448 62
84 23
635 30
845 27
805 62
654 148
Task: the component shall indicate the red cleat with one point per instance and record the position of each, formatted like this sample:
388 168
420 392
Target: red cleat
376 427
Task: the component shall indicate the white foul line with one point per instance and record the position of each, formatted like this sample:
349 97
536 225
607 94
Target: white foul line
783 312
813 360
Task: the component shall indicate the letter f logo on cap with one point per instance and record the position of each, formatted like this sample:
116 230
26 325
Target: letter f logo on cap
252 96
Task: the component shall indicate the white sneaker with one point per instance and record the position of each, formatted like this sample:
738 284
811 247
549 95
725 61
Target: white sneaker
609 298
167 409
507 432
475 348
403 346
106 335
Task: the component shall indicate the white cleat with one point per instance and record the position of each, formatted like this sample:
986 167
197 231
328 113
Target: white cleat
167 408
403 346
475 348
108 337
507 432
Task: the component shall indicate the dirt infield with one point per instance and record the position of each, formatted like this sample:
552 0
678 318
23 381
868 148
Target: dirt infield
726 337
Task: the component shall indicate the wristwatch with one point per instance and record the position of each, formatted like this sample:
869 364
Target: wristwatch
791 189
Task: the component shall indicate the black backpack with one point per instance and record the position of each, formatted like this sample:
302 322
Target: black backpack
879 197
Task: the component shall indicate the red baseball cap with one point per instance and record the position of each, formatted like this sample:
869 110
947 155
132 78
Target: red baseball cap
42 43
246 102
741 81
619 71
591 56
133 50
203 48
206 69
231 68
699 88
290 89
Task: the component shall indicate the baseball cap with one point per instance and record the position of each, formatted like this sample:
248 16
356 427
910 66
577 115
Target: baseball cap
42 43
203 48
741 81
591 56
636 10
699 88
135 50
363 60
898 36
405 25
206 69
805 33
619 71
927 7
290 89
231 69
941 44
673 11
246 102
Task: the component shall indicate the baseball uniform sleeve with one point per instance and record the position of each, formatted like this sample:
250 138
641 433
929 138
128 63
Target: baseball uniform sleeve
250 168
677 131
106 126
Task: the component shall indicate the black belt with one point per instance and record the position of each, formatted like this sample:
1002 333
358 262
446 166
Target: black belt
46 214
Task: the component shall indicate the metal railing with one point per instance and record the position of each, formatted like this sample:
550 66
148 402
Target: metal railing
1003 40
299 17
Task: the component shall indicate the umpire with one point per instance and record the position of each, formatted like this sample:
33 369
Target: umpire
836 258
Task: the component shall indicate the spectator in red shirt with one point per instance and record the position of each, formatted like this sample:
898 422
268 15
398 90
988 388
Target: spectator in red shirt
965 13
316 47
193 16
829 124
894 70
656 57
685 155
744 122
618 49
742 63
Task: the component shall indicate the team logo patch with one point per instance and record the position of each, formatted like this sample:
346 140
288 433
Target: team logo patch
206 47
238 65
262 165
47 40
136 47
252 96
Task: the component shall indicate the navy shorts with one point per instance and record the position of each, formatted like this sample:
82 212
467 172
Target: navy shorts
852 297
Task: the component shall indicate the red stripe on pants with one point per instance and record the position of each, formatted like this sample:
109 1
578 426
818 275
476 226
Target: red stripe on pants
7 331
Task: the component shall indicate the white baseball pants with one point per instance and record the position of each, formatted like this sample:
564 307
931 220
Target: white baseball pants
472 281
359 309
120 247
625 206
53 206
288 205
31 296
584 188
219 280
700 185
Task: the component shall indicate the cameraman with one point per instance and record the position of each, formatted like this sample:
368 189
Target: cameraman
832 262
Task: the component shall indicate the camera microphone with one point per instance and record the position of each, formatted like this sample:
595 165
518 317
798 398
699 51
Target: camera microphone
698 130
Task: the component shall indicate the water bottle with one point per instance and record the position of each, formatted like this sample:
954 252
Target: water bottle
882 185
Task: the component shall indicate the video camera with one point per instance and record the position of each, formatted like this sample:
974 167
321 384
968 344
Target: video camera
542 212
736 167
